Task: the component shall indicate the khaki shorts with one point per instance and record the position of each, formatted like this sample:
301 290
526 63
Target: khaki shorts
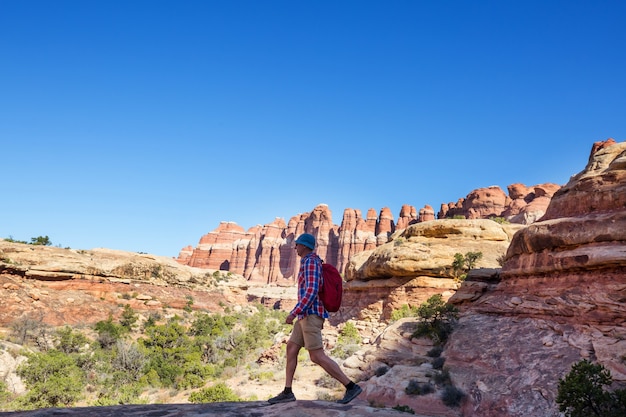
307 332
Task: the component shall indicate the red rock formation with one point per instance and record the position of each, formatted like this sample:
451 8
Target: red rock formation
426 214
523 205
408 215
265 254
559 298
385 226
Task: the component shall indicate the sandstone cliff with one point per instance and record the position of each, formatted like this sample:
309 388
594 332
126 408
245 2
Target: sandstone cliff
560 297
264 254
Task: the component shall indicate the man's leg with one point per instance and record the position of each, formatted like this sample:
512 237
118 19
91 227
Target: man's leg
330 366
292 362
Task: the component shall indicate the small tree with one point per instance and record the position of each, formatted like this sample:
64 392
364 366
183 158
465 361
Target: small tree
108 332
463 263
129 318
40 240
438 319
53 380
581 393
70 341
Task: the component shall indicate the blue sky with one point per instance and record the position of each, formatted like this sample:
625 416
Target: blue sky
141 125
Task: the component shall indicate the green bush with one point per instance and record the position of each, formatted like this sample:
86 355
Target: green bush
129 318
452 396
435 352
53 380
463 263
437 319
438 362
404 409
40 240
500 220
117 370
70 341
442 378
403 312
381 370
5 397
108 332
348 342
219 392
581 393
415 388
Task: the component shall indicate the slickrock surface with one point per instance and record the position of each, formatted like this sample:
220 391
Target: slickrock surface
238 409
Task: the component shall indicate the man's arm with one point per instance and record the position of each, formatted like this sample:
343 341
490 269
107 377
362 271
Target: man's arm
312 272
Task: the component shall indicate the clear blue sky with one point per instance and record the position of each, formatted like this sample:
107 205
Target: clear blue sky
141 125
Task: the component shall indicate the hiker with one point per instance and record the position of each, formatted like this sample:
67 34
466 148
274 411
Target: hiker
307 330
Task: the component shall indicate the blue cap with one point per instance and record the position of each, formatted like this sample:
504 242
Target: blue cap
306 240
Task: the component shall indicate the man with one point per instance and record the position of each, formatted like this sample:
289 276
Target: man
307 330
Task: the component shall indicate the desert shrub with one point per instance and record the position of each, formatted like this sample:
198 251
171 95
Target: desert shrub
173 355
500 220
5 397
581 393
128 318
403 312
31 330
381 370
40 240
442 377
325 396
109 332
129 359
438 362
404 409
327 381
53 380
10 239
219 392
348 342
414 387
212 325
70 341
435 352
437 319
188 304
452 396
463 263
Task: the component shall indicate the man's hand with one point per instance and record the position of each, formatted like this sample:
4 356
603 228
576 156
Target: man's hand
290 318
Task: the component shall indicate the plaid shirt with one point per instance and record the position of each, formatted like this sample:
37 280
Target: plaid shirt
309 282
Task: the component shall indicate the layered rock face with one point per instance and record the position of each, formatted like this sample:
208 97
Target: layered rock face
523 205
78 287
416 264
264 254
560 297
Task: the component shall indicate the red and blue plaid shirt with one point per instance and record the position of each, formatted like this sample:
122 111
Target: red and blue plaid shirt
309 283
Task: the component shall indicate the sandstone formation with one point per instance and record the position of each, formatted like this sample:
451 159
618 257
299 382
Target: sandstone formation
560 297
77 287
264 254
523 205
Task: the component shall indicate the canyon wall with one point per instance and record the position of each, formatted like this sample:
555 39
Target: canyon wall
560 297
264 254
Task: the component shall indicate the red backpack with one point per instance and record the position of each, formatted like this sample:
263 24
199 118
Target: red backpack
332 289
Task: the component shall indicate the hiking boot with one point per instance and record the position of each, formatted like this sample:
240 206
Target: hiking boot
283 397
350 395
